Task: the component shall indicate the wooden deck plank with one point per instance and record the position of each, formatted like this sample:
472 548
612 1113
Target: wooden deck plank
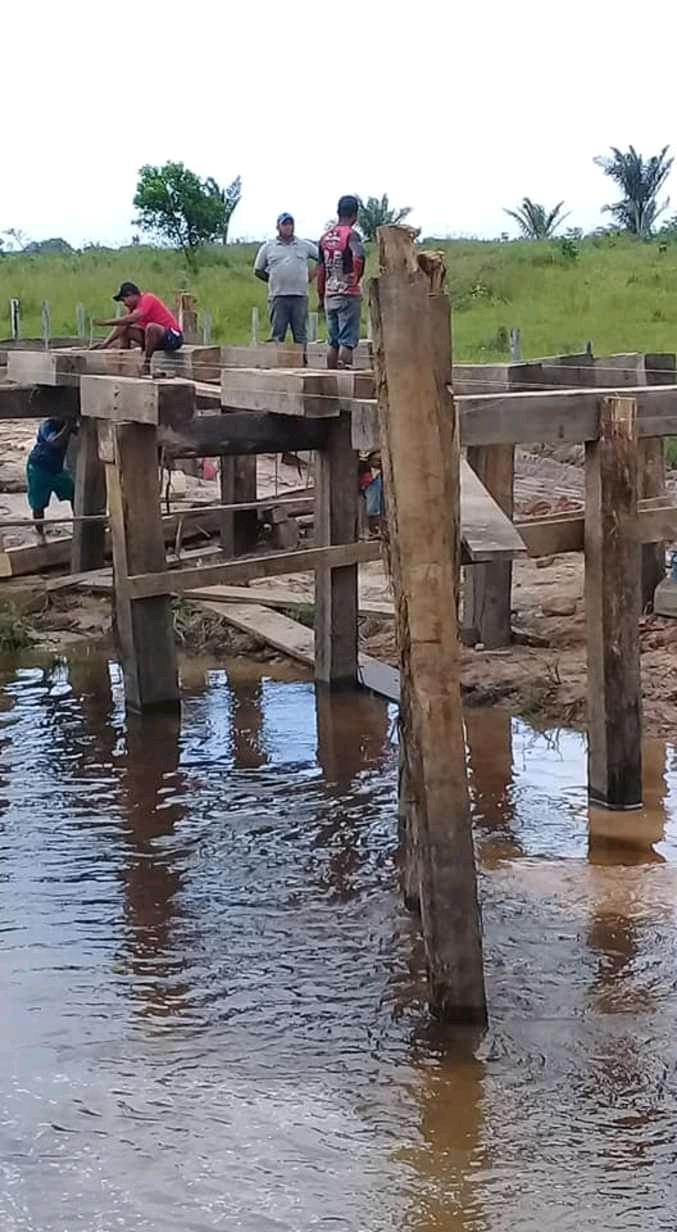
487 532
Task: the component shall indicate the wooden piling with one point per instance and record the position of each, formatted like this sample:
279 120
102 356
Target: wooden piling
144 626
336 518
88 546
421 481
612 606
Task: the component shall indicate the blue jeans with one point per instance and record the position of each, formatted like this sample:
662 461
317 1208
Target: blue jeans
289 312
343 321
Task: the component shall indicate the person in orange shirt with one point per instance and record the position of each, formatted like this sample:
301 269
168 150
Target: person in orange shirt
148 323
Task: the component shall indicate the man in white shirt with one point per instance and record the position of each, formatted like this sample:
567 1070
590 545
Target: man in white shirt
283 264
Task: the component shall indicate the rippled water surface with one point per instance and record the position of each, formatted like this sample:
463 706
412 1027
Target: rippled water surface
212 1005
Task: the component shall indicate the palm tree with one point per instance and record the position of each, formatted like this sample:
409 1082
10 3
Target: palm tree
535 222
375 213
640 181
229 197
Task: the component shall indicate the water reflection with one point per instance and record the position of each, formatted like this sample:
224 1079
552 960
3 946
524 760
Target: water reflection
214 1003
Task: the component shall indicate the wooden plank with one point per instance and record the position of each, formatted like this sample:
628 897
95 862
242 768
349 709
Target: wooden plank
336 516
612 609
559 416
277 564
88 547
362 354
488 590
144 626
131 400
281 599
38 402
416 418
297 641
489 533
243 432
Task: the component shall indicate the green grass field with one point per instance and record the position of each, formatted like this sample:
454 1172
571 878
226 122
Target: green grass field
619 293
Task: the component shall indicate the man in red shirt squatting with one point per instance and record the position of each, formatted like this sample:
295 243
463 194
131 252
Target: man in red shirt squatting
148 322
339 284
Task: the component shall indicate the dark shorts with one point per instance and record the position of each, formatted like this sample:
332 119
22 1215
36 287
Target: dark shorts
172 340
41 484
343 321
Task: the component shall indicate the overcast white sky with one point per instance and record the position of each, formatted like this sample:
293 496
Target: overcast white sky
455 109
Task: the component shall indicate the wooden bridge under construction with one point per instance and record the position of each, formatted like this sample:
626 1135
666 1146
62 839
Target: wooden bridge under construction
447 435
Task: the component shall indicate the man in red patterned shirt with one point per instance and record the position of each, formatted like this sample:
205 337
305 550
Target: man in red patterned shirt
148 323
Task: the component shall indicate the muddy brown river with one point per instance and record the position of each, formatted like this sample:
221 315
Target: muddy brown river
212 1001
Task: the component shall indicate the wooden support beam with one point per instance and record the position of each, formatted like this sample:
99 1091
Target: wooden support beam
138 400
264 355
297 391
243 432
88 549
336 513
144 625
38 402
416 419
193 363
612 608
238 572
65 367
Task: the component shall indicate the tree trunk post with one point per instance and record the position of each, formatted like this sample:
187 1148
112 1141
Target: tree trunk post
612 608
421 482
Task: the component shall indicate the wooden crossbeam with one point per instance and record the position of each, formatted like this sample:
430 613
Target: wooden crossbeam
565 532
294 391
243 432
142 586
37 402
137 400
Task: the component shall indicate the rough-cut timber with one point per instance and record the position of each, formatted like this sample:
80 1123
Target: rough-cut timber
362 355
336 514
194 363
277 564
612 608
299 391
65 367
487 592
89 538
242 432
38 402
144 626
263 355
131 400
419 482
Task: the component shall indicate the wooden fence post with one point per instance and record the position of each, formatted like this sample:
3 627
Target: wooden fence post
15 317
336 514
145 628
487 595
416 417
89 538
612 608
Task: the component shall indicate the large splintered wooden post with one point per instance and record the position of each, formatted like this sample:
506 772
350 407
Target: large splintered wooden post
336 516
89 538
145 628
612 608
421 480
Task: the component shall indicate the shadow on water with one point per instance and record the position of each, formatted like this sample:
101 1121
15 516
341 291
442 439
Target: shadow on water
213 1011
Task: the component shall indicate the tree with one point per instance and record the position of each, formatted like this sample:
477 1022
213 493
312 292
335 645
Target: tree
229 198
19 237
640 180
374 213
177 205
535 222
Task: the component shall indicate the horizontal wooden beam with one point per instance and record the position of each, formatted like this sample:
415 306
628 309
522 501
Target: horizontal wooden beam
143 586
294 391
559 416
37 402
565 533
120 399
243 432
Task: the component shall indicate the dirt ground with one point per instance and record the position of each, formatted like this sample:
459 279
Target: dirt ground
545 681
